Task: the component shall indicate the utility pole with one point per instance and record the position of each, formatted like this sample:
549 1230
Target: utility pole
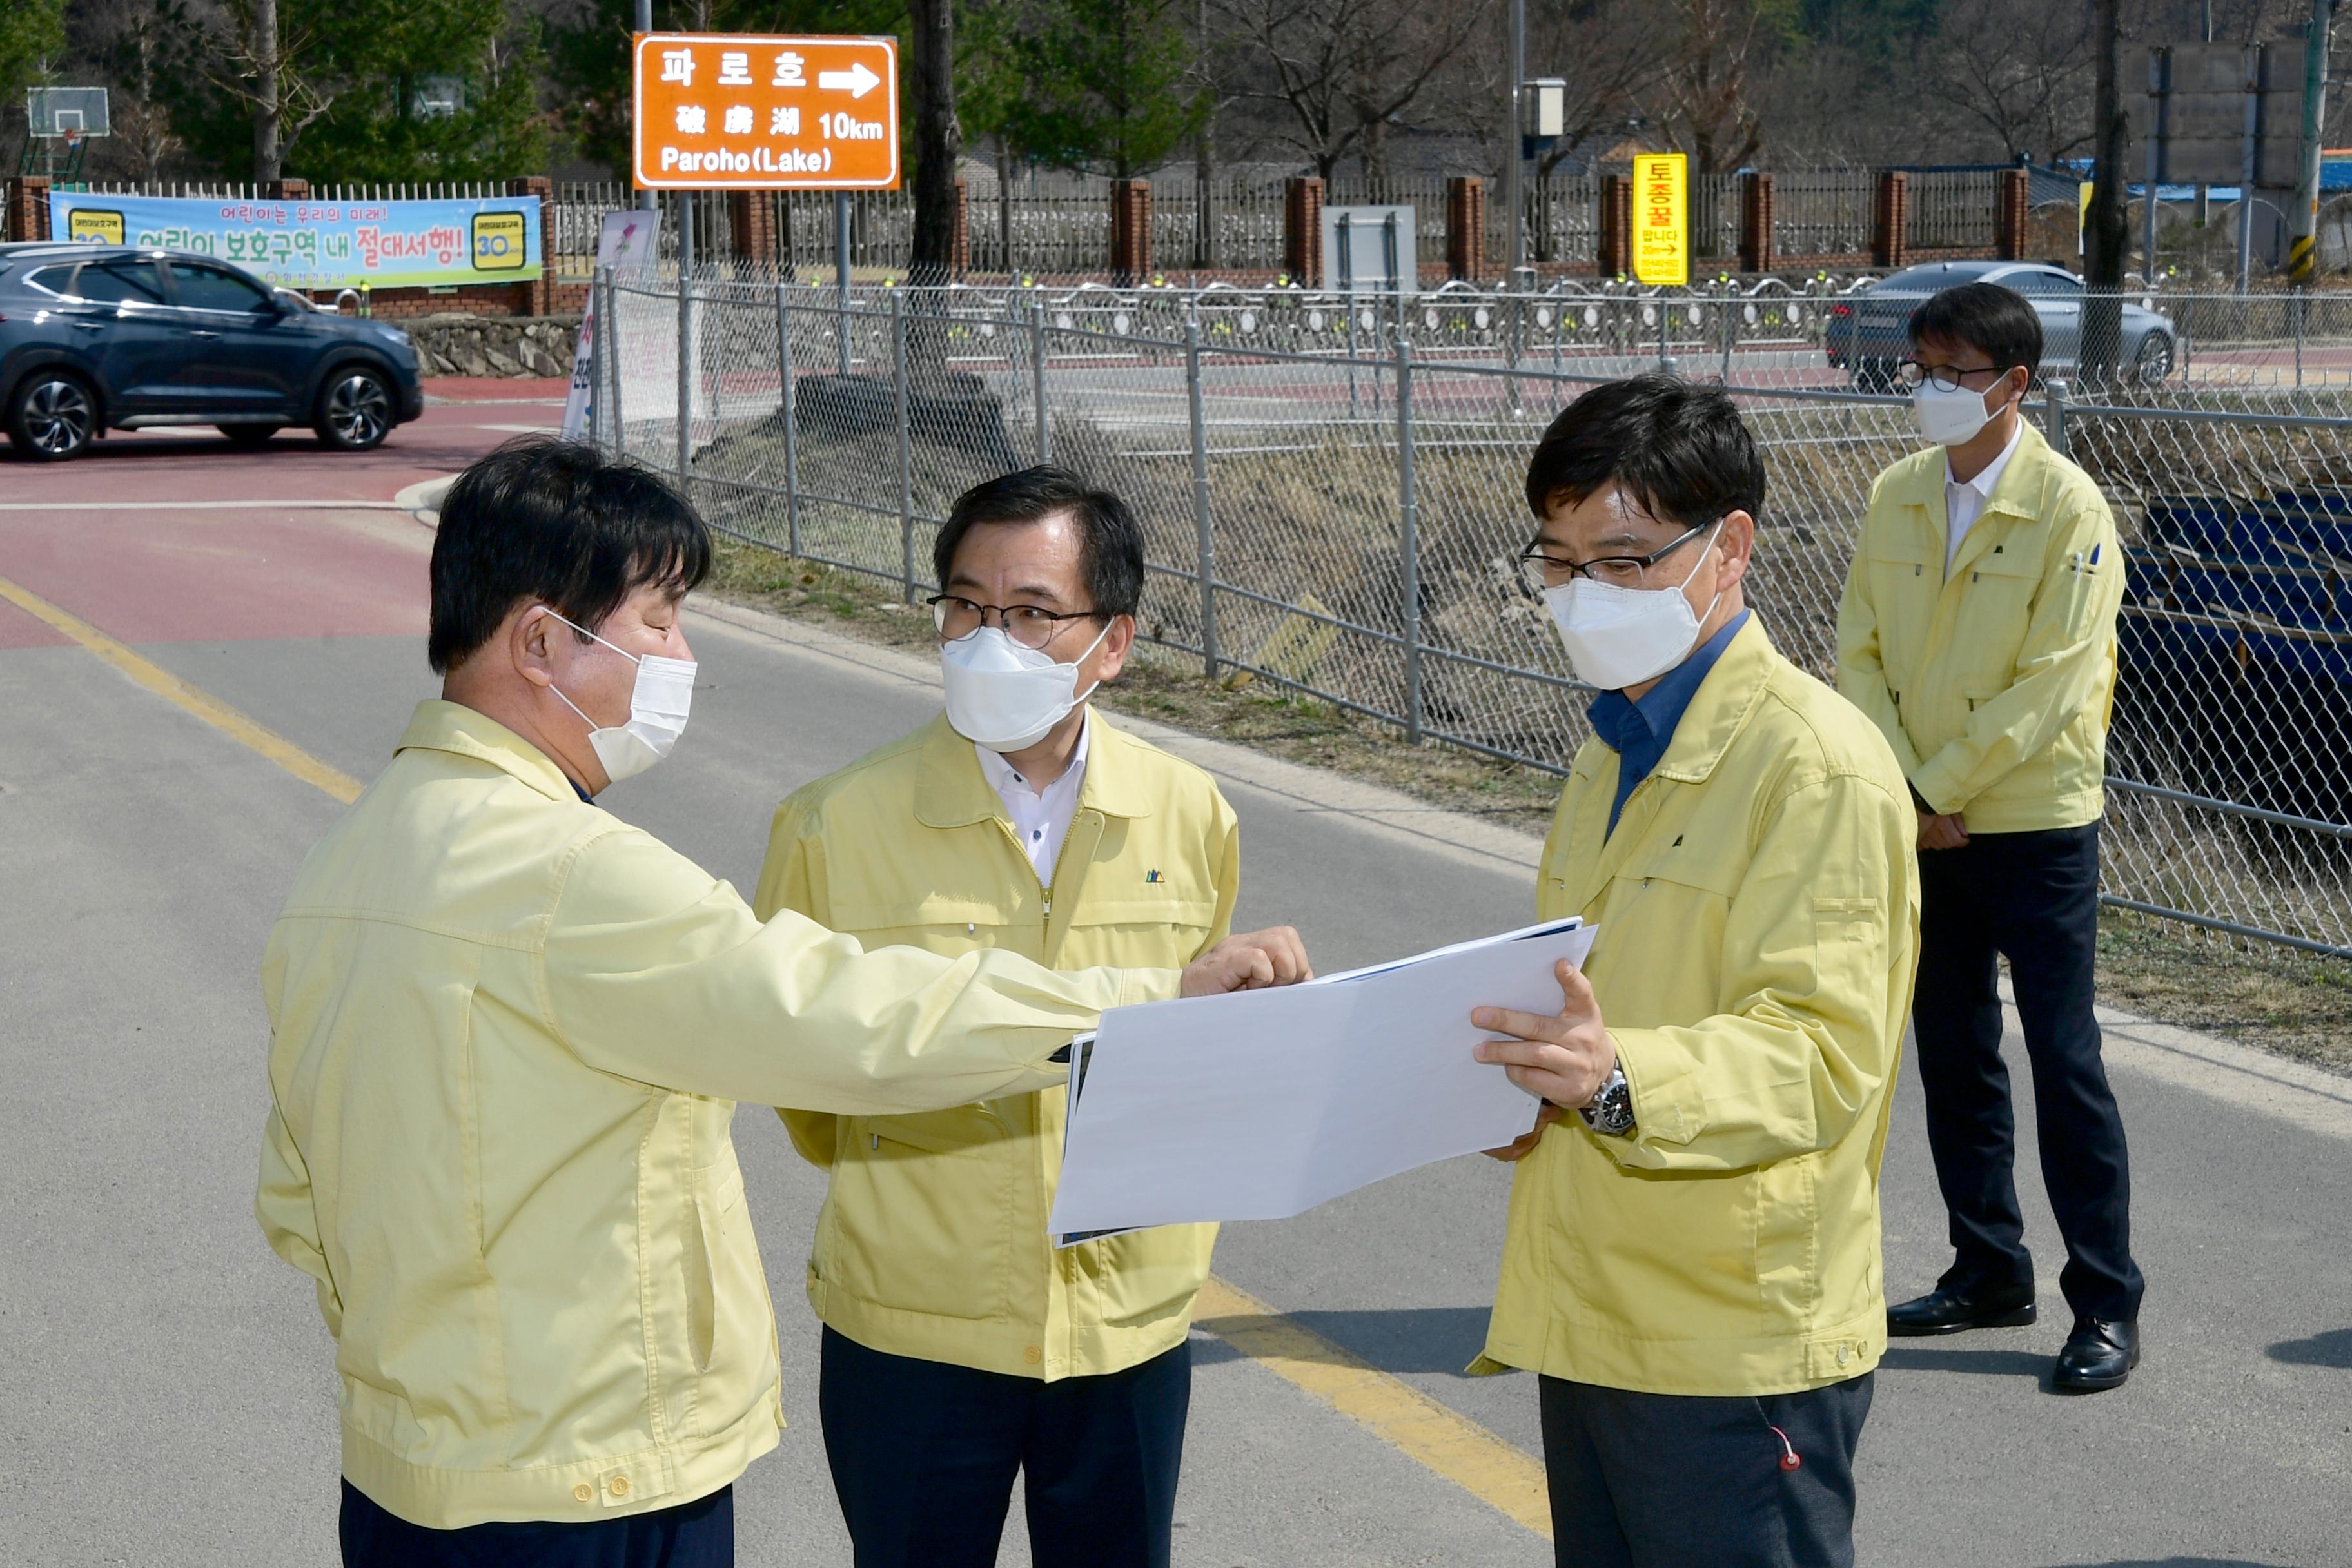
647 199
2302 225
1513 201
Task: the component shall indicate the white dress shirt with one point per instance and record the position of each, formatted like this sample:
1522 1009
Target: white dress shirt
1964 501
1041 818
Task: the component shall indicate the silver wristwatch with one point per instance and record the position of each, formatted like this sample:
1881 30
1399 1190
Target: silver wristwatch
1609 1112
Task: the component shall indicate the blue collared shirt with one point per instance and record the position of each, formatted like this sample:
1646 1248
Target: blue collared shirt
1638 731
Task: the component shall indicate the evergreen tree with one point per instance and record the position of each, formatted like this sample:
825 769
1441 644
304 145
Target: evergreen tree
1110 85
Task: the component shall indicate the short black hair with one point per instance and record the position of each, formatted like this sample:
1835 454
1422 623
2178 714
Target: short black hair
1110 545
1681 452
1997 323
556 523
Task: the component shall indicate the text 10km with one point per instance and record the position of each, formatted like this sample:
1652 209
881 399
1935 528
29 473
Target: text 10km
842 126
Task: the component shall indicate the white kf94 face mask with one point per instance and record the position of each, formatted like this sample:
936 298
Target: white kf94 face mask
657 708
1949 417
1006 697
1618 637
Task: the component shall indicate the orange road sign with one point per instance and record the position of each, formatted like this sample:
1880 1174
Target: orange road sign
750 112
1662 219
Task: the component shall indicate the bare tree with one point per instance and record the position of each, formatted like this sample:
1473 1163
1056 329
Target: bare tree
2106 233
2020 68
938 141
1704 94
1340 72
260 66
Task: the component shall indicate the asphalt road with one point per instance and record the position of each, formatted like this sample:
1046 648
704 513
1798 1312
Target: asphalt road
166 1393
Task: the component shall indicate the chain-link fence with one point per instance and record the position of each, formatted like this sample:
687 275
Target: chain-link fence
1330 489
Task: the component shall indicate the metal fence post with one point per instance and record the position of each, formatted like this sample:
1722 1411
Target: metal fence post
2055 406
604 364
2296 310
786 395
684 384
906 452
1037 379
1409 540
841 272
1205 544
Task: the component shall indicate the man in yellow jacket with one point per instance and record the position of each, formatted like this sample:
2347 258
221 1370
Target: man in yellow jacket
507 1034
1978 631
1692 1262
961 1346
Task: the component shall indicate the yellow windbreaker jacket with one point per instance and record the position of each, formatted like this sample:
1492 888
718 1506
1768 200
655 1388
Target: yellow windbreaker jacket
1759 915
933 1243
1993 684
508 1032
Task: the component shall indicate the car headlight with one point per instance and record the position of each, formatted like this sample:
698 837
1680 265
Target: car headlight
394 334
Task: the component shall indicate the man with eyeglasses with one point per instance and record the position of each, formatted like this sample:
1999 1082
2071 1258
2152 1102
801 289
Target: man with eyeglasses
1977 630
961 1345
1691 1263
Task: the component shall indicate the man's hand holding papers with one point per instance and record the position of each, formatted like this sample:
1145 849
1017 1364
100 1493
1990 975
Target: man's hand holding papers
1250 961
1562 1058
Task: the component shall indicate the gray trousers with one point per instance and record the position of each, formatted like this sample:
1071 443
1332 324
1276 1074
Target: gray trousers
1661 1481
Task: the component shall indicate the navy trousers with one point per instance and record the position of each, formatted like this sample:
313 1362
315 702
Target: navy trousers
1663 1480
697 1534
924 1457
2032 896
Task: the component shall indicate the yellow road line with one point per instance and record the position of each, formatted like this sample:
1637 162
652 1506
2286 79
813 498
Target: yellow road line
1496 1473
1450 1444
186 698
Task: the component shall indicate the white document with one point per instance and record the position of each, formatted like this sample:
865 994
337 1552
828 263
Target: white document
1262 1104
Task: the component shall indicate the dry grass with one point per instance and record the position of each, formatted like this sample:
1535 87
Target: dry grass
2279 1001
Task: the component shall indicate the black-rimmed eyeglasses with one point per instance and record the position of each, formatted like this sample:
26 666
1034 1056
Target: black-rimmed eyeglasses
1617 571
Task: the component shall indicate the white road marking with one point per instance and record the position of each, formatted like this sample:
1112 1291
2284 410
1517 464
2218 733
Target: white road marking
269 505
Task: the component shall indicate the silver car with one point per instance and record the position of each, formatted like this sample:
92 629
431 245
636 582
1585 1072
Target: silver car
1869 334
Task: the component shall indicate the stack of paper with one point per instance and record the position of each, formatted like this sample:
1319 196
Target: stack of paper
1264 1103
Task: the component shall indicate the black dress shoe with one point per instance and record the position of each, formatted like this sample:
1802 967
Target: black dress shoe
1952 1311
2100 1354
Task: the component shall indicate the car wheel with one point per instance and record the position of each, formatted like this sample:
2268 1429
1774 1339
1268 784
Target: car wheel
355 409
53 415
2153 362
247 434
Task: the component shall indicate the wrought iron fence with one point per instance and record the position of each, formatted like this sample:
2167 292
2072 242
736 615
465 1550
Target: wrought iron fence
1329 489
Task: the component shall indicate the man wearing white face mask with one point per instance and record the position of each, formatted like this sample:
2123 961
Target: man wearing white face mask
507 1034
962 1347
1691 1265
1977 630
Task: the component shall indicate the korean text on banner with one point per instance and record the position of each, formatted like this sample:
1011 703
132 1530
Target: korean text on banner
323 244
740 112
1662 220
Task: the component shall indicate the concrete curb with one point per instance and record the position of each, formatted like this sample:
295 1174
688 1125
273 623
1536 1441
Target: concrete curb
423 498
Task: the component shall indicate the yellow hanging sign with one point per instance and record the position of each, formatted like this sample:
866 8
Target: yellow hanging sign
1662 219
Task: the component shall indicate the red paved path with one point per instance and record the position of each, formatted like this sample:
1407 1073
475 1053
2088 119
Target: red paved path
111 536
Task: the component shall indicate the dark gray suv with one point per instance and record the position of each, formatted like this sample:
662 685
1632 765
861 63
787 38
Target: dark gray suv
99 337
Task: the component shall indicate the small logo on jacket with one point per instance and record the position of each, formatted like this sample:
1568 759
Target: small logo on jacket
1152 877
